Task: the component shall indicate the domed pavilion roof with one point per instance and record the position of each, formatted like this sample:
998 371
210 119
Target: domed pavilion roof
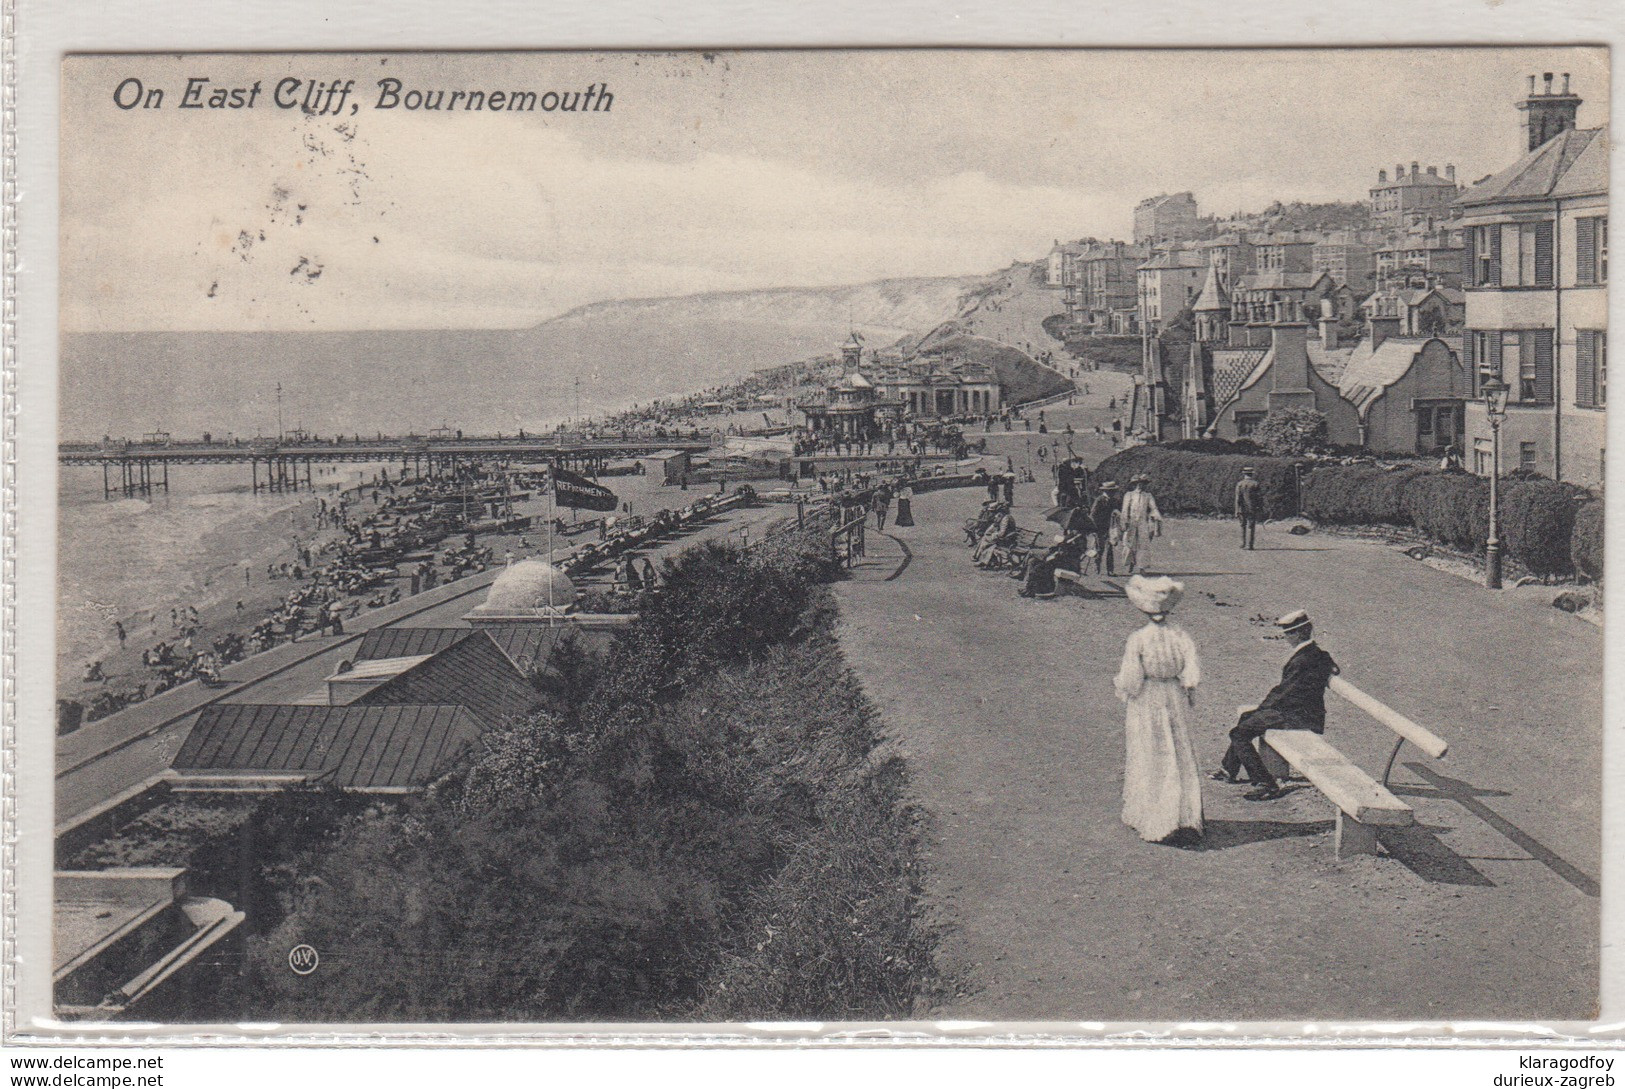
530 585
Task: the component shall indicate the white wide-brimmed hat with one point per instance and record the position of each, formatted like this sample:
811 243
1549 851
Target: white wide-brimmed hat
1154 596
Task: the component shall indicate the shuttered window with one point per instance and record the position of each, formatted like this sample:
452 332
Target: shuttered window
1543 364
1591 250
1468 355
1543 254
1591 368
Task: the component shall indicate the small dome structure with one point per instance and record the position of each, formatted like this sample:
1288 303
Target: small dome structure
529 585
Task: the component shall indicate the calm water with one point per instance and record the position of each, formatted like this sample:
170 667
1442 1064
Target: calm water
132 560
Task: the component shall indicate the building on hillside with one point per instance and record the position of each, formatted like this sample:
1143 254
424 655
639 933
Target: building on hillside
1285 253
1410 392
1251 380
1346 258
1412 197
1059 265
1167 286
1434 311
1231 255
1430 253
1107 282
1166 217
1263 297
1536 295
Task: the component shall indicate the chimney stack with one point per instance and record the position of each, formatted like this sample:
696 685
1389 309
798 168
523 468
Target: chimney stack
1548 114
1416 169
1433 172
1450 172
1382 177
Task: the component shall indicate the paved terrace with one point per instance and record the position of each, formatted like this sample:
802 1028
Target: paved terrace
1004 708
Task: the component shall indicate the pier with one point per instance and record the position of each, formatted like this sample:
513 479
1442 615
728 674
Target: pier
133 468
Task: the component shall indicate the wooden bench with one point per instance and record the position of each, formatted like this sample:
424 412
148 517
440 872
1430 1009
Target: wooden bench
1363 804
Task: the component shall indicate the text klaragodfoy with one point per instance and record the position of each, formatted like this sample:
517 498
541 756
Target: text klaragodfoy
332 97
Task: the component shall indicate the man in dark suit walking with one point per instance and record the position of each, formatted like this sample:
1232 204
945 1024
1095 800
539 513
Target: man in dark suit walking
1249 505
1100 521
1297 703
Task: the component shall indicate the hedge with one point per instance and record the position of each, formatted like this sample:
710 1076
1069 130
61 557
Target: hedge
1586 544
1538 516
1544 527
1192 483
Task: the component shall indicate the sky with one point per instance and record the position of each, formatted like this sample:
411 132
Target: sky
723 171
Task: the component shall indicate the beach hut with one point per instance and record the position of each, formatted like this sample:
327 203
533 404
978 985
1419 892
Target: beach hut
667 466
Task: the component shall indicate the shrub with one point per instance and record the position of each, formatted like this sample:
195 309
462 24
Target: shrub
1586 544
1451 508
1291 432
1190 483
703 827
1356 495
1537 523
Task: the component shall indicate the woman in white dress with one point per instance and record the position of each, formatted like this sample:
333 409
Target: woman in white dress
1162 790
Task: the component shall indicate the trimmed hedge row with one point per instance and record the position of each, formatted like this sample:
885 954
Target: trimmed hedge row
1537 516
1192 483
1544 527
1585 546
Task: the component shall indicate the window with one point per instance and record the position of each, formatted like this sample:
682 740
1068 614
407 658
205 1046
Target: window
1591 250
1591 368
1526 456
1484 256
1482 451
1247 422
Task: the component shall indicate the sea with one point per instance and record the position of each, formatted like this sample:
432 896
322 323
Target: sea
133 560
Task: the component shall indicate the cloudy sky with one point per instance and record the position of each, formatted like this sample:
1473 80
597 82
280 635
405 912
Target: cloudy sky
737 170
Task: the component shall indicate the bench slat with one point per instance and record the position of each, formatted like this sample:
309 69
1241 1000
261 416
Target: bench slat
1349 788
1423 738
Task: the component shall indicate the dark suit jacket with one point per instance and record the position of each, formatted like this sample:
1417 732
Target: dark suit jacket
1299 701
1100 513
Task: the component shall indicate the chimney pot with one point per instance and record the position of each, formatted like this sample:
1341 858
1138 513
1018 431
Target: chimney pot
1531 85
1546 79
1565 83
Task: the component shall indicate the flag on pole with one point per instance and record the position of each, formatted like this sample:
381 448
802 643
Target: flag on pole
573 490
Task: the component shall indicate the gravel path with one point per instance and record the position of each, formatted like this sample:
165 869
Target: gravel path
1056 911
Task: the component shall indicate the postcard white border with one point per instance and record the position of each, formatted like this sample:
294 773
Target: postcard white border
45 31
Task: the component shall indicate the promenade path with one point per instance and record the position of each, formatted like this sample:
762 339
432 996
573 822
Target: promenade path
107 762
1054 910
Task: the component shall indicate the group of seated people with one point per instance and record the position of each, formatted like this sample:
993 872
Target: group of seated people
997 542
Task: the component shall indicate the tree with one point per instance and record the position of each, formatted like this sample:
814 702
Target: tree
1291 432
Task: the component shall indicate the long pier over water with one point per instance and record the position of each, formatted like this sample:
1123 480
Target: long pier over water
131 468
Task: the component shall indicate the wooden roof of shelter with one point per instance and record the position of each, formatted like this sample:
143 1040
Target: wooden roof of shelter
358 747
527 646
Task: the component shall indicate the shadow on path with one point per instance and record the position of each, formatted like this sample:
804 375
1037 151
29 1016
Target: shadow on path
1467 796
908 557
1420 850
1219 835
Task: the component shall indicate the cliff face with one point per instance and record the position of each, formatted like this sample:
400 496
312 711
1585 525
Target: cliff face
885 307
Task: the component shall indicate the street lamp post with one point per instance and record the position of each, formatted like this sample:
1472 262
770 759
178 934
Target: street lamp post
1495 406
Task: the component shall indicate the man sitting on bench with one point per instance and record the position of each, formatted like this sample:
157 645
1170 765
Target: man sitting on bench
1297 703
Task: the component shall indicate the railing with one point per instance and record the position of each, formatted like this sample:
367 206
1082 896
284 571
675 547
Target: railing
846 541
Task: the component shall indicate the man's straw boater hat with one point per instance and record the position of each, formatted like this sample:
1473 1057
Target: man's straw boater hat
1293 621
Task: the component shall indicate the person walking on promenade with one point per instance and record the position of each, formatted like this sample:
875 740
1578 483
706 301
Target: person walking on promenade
1141 521
1298 702
1162 789
1249 505
1009 485
881 505
1101 513
905 505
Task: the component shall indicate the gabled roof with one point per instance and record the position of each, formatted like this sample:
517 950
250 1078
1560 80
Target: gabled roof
1371 371
1329 363
356 747
1173 259
1572 163
473 673
528 646
1213 296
